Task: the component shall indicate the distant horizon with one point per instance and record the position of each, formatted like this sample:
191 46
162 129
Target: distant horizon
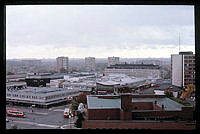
84 58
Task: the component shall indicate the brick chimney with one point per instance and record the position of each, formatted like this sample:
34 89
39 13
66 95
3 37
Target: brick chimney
126 106
126 102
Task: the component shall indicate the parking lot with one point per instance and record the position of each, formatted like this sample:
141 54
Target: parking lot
38 118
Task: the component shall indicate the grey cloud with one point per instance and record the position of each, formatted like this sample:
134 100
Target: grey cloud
111 27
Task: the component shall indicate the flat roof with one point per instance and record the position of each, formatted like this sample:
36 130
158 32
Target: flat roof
53 76
43 91
121 81
15 76
108 83
79 83
169 104
15 84
85 89
100 103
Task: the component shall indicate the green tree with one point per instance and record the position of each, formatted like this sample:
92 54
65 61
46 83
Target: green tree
13 127
79 121
168 93
74 106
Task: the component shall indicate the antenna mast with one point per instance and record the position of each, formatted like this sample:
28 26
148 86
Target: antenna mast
179 40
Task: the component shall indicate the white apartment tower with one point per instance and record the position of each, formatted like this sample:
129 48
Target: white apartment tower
90 64
62 64
183 69
113 60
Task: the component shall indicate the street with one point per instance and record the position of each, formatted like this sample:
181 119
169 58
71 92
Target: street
51 118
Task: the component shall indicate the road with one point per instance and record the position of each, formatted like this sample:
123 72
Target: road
51 118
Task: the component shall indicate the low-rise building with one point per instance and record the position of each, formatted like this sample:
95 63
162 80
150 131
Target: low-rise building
136 70
147 111
118 83
42 96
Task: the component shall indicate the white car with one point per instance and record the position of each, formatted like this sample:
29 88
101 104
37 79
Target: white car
7 120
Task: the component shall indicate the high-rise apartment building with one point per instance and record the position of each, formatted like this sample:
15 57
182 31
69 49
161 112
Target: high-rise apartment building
90 64
113 60
183 69
62 64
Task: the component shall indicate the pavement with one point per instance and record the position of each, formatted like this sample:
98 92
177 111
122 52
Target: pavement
41 118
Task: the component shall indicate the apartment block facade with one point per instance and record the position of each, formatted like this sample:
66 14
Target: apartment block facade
183 69
90 64
62 64
113 61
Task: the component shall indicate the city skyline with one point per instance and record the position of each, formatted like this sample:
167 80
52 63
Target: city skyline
98 31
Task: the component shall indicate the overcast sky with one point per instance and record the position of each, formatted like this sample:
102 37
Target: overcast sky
100 31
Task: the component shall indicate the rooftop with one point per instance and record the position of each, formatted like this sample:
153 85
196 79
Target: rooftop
54 76
186 53
169 104
114 102
42 91
119 79
8 84
100 103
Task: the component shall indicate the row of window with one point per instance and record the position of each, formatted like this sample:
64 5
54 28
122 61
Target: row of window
22 96
37 97
58 95
141 73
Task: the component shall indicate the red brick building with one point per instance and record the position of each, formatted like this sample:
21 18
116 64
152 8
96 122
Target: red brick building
137 111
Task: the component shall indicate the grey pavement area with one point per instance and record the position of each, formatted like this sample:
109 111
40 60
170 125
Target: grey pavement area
51 118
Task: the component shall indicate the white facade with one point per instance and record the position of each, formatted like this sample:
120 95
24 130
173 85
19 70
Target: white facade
55 83
90 64
62 63
177 70
175 94
113 61
159 92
